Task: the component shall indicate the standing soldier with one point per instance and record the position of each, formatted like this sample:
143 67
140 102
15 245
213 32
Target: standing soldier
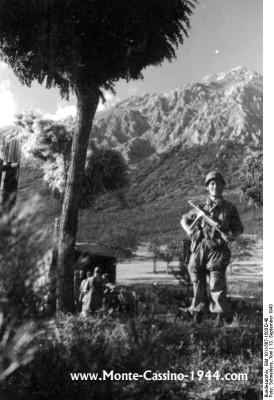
93 290
83 278
79 278
210 252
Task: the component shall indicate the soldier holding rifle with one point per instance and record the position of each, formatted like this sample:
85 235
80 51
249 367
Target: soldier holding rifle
212 226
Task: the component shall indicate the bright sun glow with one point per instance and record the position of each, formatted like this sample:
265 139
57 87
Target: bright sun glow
7 104
62 112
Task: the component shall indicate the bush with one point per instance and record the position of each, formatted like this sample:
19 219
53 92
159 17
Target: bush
22 287
251 178
22 267
137 344
72 345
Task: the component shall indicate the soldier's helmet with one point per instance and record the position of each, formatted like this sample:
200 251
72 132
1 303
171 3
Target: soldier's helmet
97 270
214 175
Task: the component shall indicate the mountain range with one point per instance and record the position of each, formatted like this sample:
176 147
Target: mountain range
223 107
170 141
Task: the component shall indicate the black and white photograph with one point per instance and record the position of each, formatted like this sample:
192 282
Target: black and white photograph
131 200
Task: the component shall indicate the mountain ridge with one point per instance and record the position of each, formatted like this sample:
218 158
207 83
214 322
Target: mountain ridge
171 141
224 106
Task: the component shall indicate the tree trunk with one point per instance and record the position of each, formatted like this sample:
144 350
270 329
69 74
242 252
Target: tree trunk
167 266
51 303
87 102
155 265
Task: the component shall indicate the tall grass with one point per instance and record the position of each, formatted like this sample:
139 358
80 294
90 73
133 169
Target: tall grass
22 287
139 343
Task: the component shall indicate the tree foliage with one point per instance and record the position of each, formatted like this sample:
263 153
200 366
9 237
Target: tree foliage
123 241
50 142
251 178
166 248
106 171
96 42
84 47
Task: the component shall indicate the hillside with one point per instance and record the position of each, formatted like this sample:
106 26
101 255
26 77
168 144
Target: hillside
170 142
159 193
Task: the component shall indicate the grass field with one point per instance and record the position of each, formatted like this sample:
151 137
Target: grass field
203 356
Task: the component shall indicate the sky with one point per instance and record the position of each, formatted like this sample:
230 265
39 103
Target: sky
224 34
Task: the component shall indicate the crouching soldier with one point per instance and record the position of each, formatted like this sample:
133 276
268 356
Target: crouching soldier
210 252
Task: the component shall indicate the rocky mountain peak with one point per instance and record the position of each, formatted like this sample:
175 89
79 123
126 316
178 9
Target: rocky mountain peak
223 107
238 74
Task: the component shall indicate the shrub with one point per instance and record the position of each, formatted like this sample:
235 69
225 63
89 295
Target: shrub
22 266
251 177
22 286
72 345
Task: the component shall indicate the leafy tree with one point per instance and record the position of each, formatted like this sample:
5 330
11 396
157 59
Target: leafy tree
251 178
163 250
169 249
123 241
153 248
50 142
106 171
82 48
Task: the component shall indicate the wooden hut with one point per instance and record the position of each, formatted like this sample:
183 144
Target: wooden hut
89 256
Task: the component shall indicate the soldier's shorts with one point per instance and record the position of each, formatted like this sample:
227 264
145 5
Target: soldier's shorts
206 259
213 262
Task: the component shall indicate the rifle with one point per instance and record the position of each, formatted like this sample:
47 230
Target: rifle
208 220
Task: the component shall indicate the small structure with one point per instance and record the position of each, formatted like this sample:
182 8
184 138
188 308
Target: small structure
10 151
89 256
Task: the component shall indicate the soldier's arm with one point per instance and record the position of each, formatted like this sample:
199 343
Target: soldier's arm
187 220
87 286
185 223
